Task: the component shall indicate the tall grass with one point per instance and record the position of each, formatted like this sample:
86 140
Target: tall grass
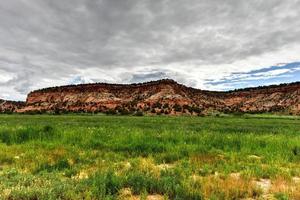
96 157
25 134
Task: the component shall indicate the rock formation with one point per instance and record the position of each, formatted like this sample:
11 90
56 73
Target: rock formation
10 106
162 97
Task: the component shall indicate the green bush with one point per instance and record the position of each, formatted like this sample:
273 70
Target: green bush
138 113
105 184
26 134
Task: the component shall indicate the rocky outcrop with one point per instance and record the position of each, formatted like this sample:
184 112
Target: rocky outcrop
10 106
162 97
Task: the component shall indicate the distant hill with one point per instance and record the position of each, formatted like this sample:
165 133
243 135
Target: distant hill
10 106
165 97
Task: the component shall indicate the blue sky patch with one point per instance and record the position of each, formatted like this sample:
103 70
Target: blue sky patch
283 73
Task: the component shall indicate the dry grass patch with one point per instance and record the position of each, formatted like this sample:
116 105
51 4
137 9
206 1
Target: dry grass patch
56 154
290 188
230 187
206 158
126 194
148 167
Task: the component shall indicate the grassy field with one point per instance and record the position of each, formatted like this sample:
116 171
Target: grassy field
125 157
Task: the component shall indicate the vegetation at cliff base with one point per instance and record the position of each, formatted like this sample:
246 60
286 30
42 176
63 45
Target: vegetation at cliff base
146 157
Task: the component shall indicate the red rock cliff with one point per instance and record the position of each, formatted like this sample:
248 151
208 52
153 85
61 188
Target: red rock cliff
163 97
10 106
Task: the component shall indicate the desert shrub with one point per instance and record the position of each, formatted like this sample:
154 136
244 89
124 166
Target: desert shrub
111 112
124 112
57 111
185 107
132 109
8 112
197 109
34 112
139 113
157 105
177 108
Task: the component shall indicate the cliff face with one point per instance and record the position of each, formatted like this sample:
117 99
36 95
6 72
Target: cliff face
10 106
163 97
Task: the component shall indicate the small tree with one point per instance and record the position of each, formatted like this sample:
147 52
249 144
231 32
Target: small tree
111 112
139 113
177 108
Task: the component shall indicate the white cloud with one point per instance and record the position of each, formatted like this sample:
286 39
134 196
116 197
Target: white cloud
47 43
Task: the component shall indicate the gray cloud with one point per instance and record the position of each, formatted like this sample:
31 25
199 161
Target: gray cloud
290 70
46 42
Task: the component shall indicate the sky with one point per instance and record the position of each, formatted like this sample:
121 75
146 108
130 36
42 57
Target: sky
206 44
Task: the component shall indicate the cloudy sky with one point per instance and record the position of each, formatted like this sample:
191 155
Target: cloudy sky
208 44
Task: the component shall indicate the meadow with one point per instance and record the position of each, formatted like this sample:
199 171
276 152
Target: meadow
149 157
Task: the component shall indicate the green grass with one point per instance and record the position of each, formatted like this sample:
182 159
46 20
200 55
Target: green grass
100 157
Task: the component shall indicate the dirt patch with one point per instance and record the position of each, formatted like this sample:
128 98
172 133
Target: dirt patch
264 184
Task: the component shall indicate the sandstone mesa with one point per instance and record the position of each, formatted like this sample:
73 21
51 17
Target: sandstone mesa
157 97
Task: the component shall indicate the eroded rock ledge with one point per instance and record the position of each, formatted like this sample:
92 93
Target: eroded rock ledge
162 97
